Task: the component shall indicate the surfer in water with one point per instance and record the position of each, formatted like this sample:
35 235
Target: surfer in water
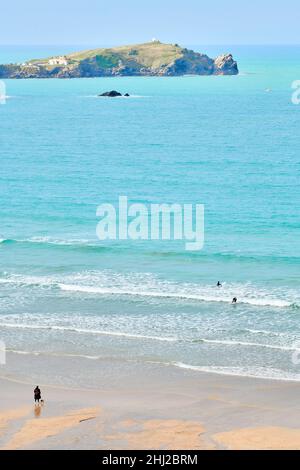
219 284
234 300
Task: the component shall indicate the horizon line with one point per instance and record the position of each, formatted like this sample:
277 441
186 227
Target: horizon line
184 44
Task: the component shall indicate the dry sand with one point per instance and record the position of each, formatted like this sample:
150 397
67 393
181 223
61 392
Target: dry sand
264 438
168 434
167 409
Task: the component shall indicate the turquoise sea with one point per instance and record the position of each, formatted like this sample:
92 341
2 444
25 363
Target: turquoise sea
230 143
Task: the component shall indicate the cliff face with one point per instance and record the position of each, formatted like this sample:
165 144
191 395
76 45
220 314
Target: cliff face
152 59
225 65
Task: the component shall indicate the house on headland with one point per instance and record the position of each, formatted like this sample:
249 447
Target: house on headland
58 61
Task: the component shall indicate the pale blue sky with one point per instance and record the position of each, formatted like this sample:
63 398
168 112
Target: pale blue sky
115 22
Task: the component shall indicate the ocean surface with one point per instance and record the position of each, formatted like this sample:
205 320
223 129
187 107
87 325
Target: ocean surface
230 143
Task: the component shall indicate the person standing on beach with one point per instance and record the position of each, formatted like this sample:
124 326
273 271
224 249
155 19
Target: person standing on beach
37 394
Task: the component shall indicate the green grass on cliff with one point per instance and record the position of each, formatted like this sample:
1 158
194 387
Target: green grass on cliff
152 54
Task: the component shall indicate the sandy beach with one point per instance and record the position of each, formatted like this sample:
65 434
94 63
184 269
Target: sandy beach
164 408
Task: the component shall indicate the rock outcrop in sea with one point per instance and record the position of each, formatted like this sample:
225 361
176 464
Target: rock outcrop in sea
111 94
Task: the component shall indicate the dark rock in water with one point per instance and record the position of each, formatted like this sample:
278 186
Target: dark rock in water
111 94
127 94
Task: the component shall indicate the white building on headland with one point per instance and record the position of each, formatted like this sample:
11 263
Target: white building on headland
58 61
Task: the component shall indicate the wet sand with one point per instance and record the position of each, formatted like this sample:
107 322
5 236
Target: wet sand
166 408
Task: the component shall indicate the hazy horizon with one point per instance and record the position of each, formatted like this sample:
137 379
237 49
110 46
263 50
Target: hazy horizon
112 45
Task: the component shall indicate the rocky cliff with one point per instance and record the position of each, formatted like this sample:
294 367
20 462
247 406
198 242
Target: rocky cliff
149 59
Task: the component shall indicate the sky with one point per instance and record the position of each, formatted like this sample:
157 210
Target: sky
114 22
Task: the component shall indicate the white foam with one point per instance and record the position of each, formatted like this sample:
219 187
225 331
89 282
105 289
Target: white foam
5 97
87 331
38 353
230 343
252 372
56 241
52 241
178 295
265 332
117 97
110 283
250 344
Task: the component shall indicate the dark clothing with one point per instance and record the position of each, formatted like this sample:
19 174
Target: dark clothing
37 394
